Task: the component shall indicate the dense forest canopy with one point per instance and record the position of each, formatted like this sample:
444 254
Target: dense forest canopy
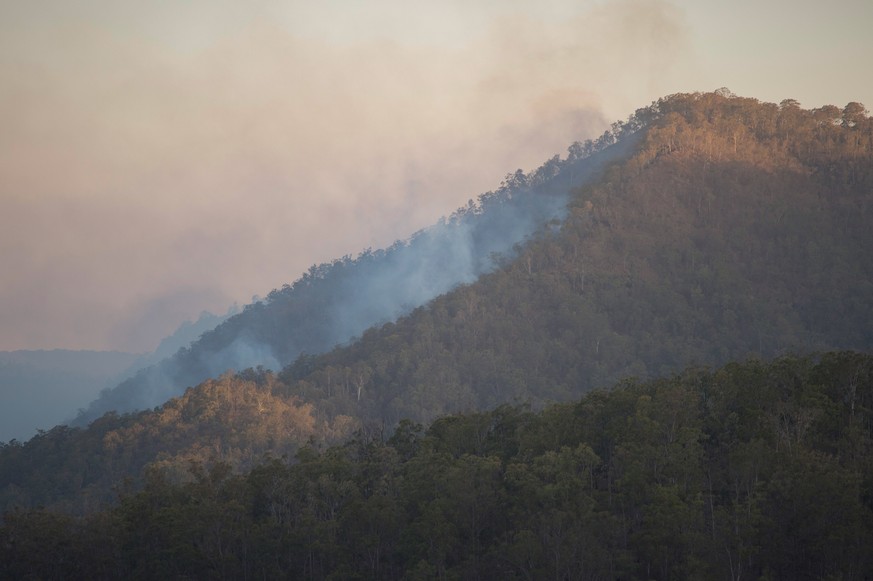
754 470
727 229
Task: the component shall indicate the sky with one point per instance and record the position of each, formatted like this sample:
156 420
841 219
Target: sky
162 158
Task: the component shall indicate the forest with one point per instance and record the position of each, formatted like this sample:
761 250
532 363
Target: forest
333 303
712 271
755 470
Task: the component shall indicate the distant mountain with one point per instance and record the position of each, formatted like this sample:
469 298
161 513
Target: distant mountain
188 332
40 389
710 228
334 303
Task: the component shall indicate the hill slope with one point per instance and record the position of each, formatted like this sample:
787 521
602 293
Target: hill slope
333 303
733 228
758 470
737 228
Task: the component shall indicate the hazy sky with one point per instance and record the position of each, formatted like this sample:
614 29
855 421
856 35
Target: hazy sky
160 158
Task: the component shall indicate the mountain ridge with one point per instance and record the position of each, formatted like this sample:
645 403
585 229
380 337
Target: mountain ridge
334 302
733 229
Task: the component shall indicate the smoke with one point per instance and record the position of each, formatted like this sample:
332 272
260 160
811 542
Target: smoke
39 389
332 303
243 353
159 160
387 284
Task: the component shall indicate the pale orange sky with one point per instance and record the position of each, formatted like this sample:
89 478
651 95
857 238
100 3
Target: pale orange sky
161 158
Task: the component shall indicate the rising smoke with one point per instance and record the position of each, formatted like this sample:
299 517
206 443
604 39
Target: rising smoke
335 302
158 159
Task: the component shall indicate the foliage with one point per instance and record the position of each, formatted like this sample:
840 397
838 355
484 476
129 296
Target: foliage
754 470
737 228
234 419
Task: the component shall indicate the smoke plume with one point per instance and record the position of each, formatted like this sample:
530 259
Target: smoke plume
161 159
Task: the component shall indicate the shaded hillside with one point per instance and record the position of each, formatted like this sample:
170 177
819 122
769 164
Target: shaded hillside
40 389
734 228
737 228
756 470
333 303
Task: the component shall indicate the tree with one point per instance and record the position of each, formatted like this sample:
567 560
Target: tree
854 113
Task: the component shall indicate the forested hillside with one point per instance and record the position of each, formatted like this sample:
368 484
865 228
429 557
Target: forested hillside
729 228
335 302
737 228
752 471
